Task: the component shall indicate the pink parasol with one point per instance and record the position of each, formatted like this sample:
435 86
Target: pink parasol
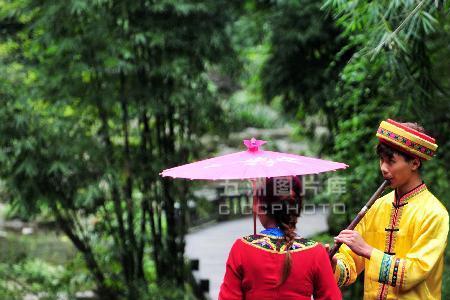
251 164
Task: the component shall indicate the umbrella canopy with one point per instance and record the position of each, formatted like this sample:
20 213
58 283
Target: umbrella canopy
251 164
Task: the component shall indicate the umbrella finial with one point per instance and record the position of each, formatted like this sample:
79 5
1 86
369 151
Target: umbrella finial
253 144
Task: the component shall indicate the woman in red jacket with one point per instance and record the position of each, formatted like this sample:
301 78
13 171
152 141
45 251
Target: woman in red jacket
276 263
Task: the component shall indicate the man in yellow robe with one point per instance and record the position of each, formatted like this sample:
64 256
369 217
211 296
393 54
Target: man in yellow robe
400 242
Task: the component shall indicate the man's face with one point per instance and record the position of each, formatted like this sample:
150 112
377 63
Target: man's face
396 169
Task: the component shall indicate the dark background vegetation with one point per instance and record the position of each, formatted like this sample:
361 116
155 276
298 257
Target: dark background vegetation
97 97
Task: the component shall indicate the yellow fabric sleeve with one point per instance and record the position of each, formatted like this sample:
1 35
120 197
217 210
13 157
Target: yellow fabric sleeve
349 265
406 272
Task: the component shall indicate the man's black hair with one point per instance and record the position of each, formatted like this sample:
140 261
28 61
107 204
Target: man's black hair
384 150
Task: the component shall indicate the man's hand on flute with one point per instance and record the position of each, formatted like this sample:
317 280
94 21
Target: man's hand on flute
355 242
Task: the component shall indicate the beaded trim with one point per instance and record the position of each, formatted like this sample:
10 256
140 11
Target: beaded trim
385 268
394 274
277 245
404 142
402 276
383 292
344 273
391 238
412 193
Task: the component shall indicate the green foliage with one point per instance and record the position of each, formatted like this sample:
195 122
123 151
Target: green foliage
446 275
52 248
305 56
373 87
395 73
99 97
36 277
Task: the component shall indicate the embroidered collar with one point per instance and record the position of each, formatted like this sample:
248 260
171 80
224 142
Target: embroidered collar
275 244
415 191
275 231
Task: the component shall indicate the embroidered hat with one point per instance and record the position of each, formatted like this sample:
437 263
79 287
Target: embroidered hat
406 139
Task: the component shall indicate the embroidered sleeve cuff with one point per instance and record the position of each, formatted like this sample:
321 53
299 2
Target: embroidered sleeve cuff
342 272
385 268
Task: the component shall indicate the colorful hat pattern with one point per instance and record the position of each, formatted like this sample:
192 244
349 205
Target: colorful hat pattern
406 139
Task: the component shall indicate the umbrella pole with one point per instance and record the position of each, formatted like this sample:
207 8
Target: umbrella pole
255 199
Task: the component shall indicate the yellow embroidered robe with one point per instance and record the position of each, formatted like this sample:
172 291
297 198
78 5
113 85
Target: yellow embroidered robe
409 236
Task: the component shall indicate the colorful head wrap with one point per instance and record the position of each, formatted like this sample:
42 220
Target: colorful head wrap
405 139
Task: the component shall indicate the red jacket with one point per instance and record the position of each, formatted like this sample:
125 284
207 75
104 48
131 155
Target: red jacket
255 264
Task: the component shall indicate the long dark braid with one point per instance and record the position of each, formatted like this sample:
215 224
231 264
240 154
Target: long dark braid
285 210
